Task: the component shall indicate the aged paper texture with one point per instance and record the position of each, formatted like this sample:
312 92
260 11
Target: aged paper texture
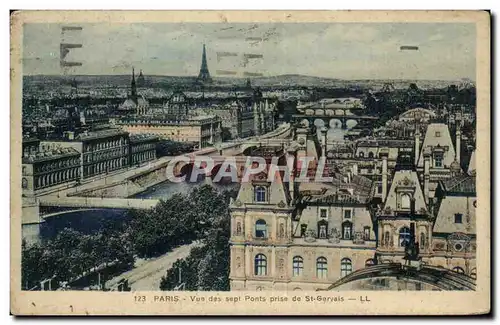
250 163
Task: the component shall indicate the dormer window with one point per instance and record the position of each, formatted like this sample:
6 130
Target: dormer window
260 194
438 160
303 229
346 230
405 201
322 228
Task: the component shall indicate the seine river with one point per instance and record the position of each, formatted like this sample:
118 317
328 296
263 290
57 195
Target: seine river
91 221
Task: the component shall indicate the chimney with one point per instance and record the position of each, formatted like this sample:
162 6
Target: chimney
291 186
417 146
457 145
323 131
291 183
384 154
355 169
427 163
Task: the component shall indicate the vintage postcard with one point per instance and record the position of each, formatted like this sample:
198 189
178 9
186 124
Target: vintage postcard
250 163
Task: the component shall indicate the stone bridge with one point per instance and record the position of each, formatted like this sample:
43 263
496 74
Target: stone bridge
91 203
437 277
334 119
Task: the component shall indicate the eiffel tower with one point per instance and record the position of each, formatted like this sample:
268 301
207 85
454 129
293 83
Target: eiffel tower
204 76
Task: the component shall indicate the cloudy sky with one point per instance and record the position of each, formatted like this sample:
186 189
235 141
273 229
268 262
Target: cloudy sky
337 50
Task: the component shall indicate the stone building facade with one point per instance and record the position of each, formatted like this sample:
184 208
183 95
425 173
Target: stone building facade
142 148
51 166
101 151
204 131
288 237
305 236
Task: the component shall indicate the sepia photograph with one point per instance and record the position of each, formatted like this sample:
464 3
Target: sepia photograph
224 159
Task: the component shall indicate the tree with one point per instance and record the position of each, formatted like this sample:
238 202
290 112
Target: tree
33 268
226 134
206 267
370 104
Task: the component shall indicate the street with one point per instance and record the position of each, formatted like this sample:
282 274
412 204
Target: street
146 275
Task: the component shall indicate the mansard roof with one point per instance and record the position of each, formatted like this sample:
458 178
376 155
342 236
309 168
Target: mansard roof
438 135
463 184
356 190
405 180
278 192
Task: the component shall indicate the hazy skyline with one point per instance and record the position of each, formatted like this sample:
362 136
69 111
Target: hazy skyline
336 50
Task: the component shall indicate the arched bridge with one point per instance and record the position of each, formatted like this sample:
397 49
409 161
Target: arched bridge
328 118
437 277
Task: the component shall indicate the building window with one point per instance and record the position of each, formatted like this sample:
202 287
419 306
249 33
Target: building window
345 267
404 236
366 233
423 241
387 238
24 183
321 268
347 214
260 264
458 218
362 154
260 229
405 201
322 231
322 228
303 229
346 230
438 160
459 270
260 194
458 247
438 134
379 189
322 213
370 155
238 228
369 262
298 266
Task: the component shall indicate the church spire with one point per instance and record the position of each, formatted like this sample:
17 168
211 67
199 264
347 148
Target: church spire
204 75
133 89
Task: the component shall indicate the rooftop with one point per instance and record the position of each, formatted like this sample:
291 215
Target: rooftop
464 184
142 137
391 143
356 190
50 154
100 134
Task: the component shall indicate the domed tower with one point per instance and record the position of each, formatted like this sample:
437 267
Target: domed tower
455 168
141 82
